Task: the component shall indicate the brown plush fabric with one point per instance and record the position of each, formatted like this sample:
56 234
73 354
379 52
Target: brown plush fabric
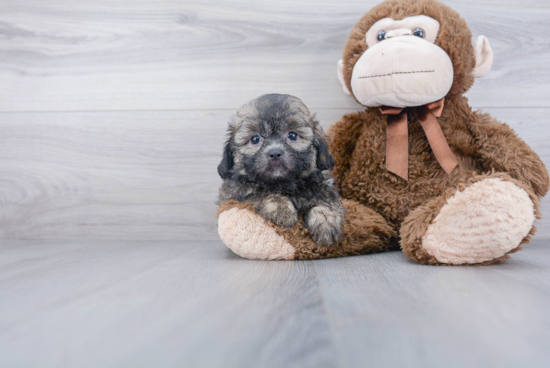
358 147
480 143
364 230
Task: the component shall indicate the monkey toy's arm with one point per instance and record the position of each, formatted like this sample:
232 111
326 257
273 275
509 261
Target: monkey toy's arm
502 150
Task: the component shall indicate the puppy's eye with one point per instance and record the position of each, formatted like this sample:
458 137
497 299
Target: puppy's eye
256 139
381 36
292 136
418 32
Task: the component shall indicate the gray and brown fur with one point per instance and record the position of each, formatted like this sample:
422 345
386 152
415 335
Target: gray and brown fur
276 157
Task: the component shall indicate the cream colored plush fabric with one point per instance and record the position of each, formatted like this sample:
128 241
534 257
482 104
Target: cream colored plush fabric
402 71
484 57
246 234
483 222
420 73
429 25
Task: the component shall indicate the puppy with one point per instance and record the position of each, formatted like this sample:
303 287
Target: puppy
276 156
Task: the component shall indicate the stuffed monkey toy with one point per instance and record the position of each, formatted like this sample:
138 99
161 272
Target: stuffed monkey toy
418 169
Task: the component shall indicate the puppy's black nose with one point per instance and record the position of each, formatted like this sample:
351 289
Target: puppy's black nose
275 153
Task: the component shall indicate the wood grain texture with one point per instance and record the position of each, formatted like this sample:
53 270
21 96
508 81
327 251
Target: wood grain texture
171 54
114 112
196 304
141 175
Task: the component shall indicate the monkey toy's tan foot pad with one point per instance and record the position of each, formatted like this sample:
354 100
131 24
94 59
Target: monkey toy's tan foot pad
483 222
249 236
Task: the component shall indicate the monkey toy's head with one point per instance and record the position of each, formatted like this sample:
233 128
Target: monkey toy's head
406 53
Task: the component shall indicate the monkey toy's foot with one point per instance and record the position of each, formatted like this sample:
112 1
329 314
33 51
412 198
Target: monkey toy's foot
250 236
480 223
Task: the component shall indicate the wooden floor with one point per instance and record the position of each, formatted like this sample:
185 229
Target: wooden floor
112 119
196 304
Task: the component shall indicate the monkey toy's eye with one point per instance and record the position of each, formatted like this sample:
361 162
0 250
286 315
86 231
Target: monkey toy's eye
292 136
381 36
418 32
256 139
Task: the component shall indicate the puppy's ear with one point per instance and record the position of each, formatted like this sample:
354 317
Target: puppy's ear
227 161
324 158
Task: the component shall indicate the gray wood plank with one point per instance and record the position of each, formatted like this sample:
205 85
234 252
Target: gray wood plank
168 54
140 175
113 175
139 304
406 315
195 304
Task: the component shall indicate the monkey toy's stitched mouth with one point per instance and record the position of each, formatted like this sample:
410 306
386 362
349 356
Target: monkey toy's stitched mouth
392 73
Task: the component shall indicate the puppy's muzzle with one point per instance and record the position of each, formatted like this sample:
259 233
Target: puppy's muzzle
275 154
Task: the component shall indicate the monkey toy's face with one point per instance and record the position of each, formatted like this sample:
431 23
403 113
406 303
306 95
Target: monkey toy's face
274 138
401 63
402 66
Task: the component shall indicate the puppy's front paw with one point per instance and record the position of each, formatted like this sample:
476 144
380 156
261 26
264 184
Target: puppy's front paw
279 210
325 224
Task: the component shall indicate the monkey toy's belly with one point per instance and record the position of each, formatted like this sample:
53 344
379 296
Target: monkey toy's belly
394 197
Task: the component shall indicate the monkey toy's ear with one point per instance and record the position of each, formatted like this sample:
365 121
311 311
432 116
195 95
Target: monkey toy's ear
324 158
484 57
227 161
340 74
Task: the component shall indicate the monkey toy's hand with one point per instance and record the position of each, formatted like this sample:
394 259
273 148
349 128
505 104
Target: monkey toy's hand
324 223
278 209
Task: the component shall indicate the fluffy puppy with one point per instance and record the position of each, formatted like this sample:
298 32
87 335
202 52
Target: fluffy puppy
276 157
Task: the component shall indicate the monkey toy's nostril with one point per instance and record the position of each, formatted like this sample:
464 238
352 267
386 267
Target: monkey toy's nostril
275 153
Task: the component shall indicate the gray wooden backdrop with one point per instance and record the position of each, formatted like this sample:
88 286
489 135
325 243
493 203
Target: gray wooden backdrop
112 113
